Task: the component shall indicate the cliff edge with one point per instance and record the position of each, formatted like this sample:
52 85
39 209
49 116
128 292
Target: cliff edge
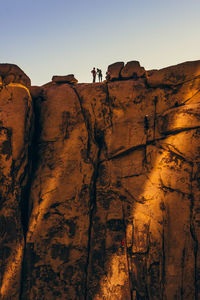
100 193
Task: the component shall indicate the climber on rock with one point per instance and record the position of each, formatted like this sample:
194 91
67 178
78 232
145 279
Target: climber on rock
94 74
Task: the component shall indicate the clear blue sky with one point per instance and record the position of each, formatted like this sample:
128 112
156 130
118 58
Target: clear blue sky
59 37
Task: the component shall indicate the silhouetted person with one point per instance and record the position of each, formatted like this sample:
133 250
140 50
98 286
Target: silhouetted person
94 74
107 76
99 73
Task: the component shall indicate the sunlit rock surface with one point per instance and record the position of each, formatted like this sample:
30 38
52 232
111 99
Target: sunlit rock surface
111 208
15 139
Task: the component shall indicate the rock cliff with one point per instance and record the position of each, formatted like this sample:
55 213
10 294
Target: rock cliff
100 185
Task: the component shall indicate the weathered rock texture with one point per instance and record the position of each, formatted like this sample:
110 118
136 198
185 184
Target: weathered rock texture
15 138
114 193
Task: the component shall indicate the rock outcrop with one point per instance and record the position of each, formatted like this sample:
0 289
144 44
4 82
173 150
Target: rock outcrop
64 79
115 70
10 73
132 70
113 197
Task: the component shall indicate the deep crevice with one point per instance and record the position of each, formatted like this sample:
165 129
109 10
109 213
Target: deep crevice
109 102
26 205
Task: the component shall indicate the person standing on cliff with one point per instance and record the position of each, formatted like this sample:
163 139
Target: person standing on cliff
99 73
94 74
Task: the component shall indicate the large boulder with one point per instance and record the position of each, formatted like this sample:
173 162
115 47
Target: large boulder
11 73
65 79
132 70
115 70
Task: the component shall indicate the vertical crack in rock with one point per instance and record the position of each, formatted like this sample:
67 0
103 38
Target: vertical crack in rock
146 131
31 139
182 272
155 101
92 209
109 102
27 205
193 230
163 259
87 124
97 138
128 258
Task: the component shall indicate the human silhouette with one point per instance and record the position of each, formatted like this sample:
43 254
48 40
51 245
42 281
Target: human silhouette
99 73
94 74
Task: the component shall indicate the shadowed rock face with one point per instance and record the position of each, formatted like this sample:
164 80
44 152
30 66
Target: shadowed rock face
111 207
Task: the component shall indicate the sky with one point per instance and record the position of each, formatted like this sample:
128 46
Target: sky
60 37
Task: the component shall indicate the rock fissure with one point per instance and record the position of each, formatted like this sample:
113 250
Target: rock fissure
155 101
166 134
109 103
92 209
193 230
87 124
163 261
168 188
96 138
195 94
126 252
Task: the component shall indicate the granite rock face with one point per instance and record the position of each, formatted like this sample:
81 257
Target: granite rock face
15 139
114 192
